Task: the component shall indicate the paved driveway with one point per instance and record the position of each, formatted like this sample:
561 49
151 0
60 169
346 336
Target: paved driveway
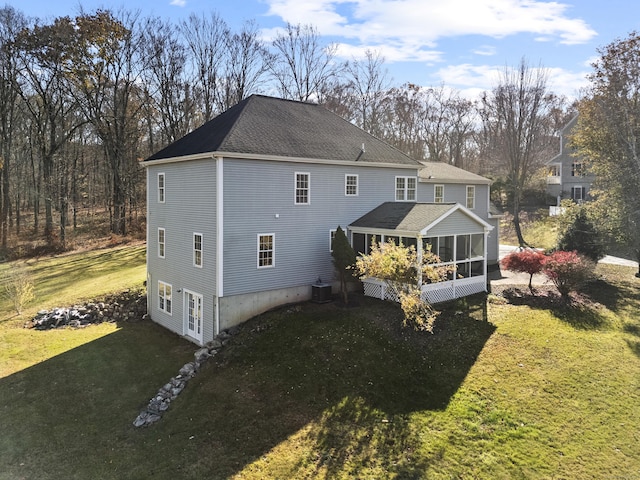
505 277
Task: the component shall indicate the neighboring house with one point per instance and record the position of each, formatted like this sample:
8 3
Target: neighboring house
568 175
241 213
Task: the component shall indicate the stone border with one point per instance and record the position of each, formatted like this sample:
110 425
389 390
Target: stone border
161 401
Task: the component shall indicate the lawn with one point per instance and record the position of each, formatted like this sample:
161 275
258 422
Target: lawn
323 391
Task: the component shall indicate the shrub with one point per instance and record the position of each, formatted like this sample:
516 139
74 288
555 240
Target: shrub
567 271
18 287
417 313
582 236
524 261
398 267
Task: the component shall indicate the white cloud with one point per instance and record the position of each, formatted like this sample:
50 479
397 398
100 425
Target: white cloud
485 50
179 3
471 80
391 53
424 22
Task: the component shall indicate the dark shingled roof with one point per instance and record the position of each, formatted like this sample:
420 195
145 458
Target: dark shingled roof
406 217
261 125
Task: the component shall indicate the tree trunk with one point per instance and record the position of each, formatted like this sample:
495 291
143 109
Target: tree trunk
516 221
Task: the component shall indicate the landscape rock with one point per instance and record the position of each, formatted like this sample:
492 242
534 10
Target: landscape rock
76 316
162 400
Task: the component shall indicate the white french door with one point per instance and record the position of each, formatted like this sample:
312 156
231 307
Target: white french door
193 315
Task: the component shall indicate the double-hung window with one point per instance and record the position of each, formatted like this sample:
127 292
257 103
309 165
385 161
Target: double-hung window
471 197
302 188
161 242
577 169
351 185
438 193
197 249
161 188
266 250
405 189
164 297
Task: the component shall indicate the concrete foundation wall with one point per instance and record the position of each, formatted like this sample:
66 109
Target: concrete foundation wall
239 308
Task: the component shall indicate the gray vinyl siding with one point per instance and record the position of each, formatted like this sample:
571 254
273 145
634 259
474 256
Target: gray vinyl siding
457 192
255 192
190 206
457 223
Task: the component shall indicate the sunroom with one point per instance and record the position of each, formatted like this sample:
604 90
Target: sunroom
451 231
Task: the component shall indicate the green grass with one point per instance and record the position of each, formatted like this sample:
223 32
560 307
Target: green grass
322 391
61 281
539 230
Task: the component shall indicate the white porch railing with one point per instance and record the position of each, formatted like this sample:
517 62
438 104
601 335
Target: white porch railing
553 211
433 292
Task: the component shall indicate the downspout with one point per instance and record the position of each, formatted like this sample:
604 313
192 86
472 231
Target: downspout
219 240
147 246
486 252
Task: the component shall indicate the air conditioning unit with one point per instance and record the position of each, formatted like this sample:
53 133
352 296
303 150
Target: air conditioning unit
321 292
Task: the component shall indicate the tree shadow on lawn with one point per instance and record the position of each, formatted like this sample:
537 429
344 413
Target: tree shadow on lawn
71 415
581 310
330 375
333 376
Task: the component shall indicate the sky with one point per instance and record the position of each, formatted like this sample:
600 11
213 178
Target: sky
462 44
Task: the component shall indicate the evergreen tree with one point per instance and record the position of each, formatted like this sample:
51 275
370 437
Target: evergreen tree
583 237
344 257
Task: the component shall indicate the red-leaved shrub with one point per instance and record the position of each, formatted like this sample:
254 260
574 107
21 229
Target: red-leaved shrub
567 271
524 261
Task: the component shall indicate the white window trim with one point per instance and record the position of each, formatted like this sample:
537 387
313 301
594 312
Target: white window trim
164 187
405 189
201 249
581 189
164 296
466 203
295 188
332 234
346 185
435 195
273 250
163 243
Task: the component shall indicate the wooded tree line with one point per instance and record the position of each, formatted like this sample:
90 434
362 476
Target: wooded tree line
83 99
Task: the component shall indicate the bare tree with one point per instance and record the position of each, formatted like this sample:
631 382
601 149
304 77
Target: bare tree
368 83
206 38
245 65
447 126
105 71
303 67
170 92
42 51
516 117
11 23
